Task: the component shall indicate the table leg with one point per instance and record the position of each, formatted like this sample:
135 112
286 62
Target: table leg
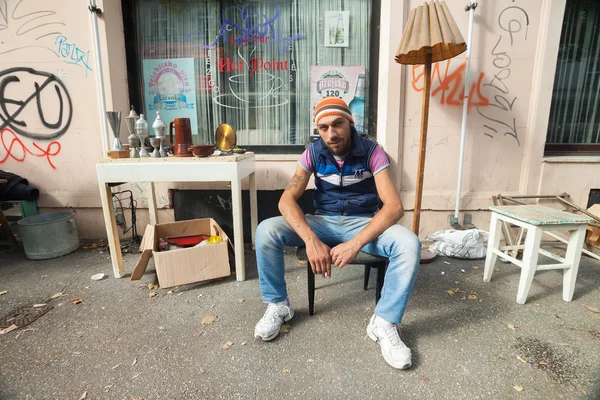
238 229
493 243
253 207
110 222
153 215
573 257
531 253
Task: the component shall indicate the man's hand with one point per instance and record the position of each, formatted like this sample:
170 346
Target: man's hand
343 253
319 258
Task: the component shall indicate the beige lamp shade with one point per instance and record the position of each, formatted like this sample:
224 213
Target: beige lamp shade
430 29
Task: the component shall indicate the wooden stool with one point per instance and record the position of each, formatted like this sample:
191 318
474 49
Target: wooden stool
535 220
368 260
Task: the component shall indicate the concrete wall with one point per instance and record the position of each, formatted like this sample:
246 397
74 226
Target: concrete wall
515 45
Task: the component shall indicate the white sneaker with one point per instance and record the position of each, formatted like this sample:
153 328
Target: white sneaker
394 351
277 313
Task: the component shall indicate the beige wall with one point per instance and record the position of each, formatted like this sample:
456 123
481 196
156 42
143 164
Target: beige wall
512 71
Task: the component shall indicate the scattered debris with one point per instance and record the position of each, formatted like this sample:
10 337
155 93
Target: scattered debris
453 291
78 300
592 309
472 296
152 286
83 396
116 366
170 292
241 300
44 276
519 388
583 391
310 360
210 319
286 371
543 363
284 328
201 371
152 294
134 361
3 292
39 305
524 361
462 270
136 375
475 267
227 345
446 262
76 353
425 380
496 269
512 327
232 358
9 329
243 343
98 277
57 295
107 388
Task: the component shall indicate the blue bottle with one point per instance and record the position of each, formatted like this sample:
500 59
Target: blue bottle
357 105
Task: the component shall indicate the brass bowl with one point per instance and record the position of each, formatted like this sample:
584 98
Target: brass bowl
202 150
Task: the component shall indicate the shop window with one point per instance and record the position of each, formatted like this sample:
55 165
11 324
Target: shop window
574 125
247 64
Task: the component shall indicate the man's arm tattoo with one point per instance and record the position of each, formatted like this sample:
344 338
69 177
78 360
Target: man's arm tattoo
294 182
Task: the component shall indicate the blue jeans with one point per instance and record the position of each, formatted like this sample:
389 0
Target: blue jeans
397 243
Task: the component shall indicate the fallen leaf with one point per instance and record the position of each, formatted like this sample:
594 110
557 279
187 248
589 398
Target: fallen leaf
583 391
475 267
592 309
543 363
232 358
116 366
519 388
496 269
284 328
83 396
3 292
524 361
107 388
481 273
472 296
227 345
39 305
152 286
76 301
170 292
134 361
453 291
152 294
201 371
512 327
9 329
210 319
286 371
241 300
56 295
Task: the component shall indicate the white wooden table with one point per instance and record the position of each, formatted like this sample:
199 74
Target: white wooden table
232 169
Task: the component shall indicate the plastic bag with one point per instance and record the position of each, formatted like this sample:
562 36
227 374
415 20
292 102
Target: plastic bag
466 244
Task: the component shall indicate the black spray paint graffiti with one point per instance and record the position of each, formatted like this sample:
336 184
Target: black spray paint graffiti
30 84
509 20
26 30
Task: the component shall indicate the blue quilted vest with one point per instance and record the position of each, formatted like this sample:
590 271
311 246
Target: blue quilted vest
349 191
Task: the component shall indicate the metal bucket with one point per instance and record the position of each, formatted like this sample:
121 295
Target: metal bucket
49 235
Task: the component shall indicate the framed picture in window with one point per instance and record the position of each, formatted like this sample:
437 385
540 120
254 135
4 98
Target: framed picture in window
337 25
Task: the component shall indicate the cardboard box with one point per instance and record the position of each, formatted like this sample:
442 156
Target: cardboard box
181 266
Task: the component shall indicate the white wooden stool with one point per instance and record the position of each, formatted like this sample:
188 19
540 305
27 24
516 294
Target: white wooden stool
535 220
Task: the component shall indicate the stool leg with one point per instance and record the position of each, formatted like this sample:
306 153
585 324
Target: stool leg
311 289
493 244
530 260
9 232
366 276
381 268
573 257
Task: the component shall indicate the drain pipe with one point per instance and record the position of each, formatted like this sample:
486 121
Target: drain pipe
95 12
463 133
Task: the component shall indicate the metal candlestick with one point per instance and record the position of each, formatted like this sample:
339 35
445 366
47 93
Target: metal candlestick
141 131
114 120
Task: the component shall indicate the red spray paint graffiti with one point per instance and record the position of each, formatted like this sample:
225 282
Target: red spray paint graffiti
450 85
17 150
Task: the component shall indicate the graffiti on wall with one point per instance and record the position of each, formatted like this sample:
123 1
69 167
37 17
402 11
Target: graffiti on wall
515 21
45 100
449 86
26 30
72 54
